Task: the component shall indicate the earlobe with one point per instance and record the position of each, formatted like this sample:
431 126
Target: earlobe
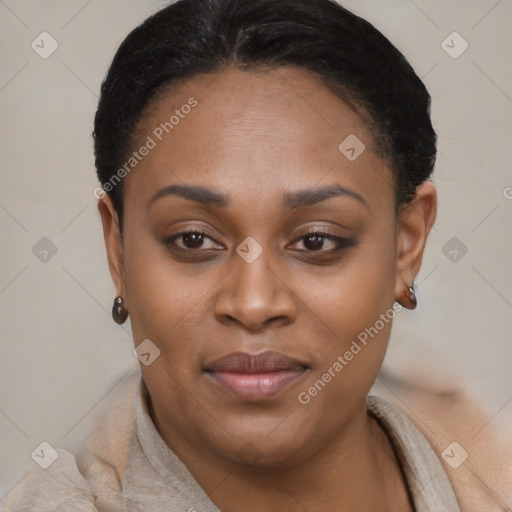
113 242
415 221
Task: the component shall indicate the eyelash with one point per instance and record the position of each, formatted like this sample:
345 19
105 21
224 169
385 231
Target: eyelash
341 243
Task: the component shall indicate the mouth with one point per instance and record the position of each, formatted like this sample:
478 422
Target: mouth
255 377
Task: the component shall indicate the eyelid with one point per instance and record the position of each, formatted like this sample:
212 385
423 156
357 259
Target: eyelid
322 229
316 228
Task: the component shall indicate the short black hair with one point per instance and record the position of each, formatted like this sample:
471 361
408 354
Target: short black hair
349 55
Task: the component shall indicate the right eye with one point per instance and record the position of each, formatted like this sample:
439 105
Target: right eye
191 240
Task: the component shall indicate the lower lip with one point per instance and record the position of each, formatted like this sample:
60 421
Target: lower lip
256 386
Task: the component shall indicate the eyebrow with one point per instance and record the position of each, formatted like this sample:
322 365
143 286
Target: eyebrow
291 200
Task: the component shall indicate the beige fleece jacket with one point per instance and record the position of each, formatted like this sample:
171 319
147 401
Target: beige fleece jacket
126 466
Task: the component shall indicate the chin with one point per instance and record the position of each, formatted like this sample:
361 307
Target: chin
261 444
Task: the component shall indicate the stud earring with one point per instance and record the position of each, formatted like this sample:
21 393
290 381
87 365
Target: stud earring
411 300
119 313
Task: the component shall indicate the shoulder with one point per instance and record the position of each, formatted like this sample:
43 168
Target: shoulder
90 479
475 452
53 488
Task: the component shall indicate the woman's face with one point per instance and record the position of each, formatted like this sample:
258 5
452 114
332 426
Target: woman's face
257 167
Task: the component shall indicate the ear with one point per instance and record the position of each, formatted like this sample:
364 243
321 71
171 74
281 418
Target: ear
113 242
415 220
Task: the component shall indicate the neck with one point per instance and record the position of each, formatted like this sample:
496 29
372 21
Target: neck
357 470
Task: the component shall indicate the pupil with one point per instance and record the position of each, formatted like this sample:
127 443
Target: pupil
193 240
314 242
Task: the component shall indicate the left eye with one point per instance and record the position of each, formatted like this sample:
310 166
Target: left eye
316 241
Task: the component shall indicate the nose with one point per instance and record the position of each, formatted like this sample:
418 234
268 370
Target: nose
255 295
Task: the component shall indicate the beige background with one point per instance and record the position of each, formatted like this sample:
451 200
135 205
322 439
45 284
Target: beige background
61 354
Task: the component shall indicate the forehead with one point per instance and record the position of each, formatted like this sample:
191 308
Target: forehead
255 133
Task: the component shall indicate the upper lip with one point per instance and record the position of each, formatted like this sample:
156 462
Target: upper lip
266 362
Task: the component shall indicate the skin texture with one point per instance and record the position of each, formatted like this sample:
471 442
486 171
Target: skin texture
255 136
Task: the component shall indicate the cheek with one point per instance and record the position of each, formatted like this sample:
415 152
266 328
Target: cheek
163 298
166 306
353 296
354 310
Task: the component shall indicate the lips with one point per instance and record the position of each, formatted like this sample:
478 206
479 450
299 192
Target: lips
255 377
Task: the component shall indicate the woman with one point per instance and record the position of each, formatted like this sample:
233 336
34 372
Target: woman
265 204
